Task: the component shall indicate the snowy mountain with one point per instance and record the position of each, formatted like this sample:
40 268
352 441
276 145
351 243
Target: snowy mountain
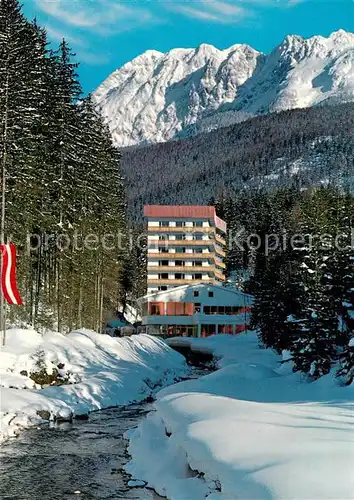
157 96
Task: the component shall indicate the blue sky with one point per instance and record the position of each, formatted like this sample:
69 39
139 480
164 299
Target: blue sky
107 33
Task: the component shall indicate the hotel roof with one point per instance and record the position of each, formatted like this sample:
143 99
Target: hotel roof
180 291
183 212
194 211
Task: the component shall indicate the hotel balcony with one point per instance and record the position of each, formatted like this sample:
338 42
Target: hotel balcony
178 282
220 240
220 252
185 256
179 269
219 276
178 256
161 229
181 243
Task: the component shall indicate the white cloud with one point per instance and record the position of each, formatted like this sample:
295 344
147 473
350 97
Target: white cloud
101 16
198 14
272 3
87 56
79 45
58 34
211 10
78 21
225 8
222 11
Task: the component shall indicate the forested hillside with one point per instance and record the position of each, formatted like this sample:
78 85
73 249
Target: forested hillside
60 182
304 147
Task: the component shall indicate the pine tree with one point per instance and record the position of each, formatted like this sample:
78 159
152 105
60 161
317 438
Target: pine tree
346 363
274 283
314 349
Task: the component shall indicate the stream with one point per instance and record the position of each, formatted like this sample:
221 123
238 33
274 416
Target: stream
82 460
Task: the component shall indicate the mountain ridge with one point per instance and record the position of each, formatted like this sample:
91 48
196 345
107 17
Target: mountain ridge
160 96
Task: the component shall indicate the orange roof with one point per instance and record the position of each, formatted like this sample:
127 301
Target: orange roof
193 211
184 211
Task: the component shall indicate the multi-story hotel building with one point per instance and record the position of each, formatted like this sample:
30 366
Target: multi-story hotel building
186 245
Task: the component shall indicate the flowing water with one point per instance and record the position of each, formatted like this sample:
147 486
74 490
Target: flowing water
82 460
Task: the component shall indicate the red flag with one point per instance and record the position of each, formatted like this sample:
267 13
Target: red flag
8 274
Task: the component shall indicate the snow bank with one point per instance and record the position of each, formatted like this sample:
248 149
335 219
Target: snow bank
102 371
251 430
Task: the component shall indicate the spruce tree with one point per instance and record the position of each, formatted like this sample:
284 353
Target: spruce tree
314 349
346 363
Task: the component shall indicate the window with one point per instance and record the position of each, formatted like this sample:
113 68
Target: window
179 308
163 262
162 288
182 330
225 329
208 330
199 223
163 276
211 294
179 263
180 236
163 250
179 223
179 276
196 293
182 250
198 250
222 310
162 237
164 223
197 308
155 309
198 276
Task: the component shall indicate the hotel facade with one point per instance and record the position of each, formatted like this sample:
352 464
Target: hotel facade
186 245
198 310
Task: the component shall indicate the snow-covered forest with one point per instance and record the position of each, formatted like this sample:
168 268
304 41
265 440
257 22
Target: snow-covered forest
61 180
297 250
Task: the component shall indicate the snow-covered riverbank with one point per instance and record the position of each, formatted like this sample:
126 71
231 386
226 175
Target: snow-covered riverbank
102 372
251 430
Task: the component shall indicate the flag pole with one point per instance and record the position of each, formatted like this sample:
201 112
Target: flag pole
2 241
3 205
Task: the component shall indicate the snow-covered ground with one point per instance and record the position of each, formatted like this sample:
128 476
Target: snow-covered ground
102 371
251 430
